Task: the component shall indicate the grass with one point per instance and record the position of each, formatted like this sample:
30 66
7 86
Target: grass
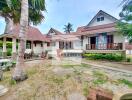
101 77
125 82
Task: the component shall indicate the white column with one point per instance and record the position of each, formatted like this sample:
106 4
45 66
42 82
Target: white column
4 45
14 45
32 46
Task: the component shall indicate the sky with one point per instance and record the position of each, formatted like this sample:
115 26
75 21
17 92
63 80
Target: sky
77 12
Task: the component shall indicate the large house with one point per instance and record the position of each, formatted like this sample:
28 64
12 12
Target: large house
98 36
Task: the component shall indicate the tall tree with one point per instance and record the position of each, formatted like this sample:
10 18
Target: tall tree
37 6
125 24
68 28
11 13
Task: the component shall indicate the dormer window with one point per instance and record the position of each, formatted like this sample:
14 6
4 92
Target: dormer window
101 18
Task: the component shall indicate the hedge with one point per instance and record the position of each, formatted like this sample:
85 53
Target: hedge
111 57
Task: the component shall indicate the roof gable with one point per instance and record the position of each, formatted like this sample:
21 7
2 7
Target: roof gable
107 19
53 31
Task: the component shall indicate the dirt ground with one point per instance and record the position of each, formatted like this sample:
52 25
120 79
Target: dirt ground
120 65
58 82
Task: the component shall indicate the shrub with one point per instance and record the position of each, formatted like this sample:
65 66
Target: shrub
128 59
112 57
126 82
12 82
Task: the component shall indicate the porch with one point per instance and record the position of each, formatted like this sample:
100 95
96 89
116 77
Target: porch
105 46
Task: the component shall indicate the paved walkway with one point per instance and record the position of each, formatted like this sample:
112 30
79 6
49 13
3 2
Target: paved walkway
110 65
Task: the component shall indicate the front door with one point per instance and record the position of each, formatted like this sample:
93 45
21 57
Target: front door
110 41
93 42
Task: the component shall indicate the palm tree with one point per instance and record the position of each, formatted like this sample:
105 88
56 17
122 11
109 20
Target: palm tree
11 13
68 28
38 6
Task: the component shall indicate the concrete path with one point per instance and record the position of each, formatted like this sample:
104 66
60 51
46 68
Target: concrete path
99 65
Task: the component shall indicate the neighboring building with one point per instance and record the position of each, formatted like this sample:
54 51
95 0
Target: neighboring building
35 40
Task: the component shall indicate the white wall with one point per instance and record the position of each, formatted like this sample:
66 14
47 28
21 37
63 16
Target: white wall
118 38
37 49
85 41
77 44
129 52
106 21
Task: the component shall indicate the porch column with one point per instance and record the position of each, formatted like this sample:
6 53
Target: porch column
4 48
14 51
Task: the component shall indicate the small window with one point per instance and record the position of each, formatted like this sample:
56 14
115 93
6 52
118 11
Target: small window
102 18
48 44
98 19
41 44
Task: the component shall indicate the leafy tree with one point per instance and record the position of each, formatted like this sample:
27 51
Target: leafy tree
68 28
125 24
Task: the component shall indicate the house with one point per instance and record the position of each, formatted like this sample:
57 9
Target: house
100 35
68 43
35 40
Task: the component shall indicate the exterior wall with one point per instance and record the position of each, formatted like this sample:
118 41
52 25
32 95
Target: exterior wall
77 45
37 49
129 52
118 38
85 41
106 21
44 46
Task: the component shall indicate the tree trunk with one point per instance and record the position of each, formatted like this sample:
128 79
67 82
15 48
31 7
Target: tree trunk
9 25
19 74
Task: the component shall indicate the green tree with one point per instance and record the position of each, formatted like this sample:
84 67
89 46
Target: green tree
68 28
27 9
11 13
125 24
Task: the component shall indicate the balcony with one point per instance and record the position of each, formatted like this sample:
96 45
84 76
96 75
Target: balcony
105 46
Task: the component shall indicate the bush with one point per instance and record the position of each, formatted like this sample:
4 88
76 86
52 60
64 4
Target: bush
112 57
128 59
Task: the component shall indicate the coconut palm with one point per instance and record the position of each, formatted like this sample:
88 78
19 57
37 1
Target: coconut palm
68 28
12 13
37 6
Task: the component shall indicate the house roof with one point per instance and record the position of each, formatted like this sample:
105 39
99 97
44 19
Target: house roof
55 31
96 29
65 38
32 34
102 12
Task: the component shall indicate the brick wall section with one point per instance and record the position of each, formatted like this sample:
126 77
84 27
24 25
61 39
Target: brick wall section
99 94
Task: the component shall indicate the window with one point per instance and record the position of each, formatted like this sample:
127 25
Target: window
98 19
101 18
48 44
41 44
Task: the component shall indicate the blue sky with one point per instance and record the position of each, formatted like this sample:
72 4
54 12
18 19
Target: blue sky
77 12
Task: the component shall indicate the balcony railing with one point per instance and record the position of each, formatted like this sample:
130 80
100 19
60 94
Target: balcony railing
105 46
